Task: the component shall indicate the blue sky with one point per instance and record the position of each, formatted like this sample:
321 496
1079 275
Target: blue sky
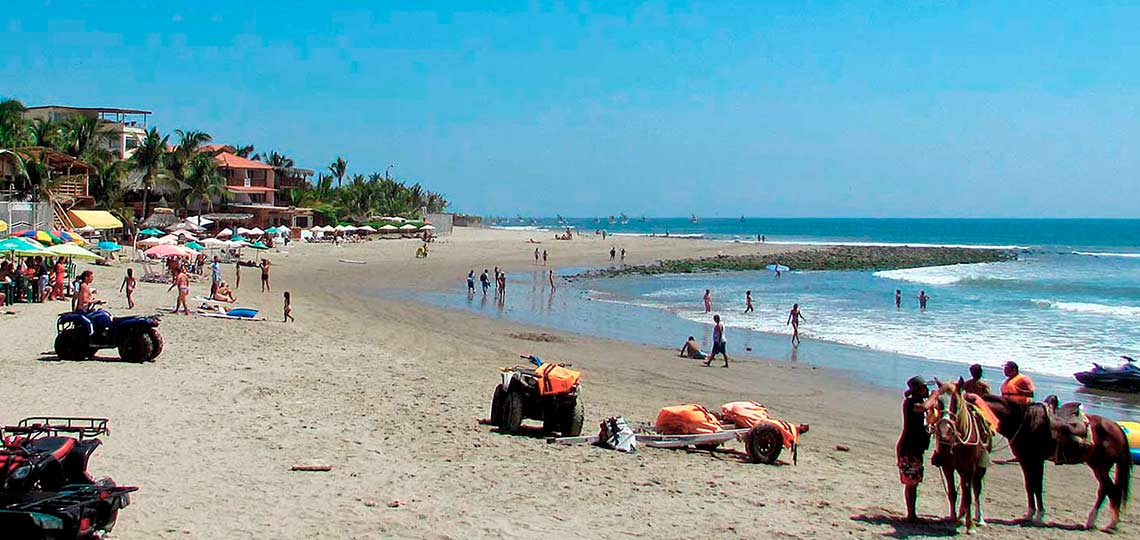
931 109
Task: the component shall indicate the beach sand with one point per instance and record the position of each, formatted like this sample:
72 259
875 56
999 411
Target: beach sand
389 394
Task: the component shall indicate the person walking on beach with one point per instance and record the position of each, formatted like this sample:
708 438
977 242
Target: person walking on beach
129 286
550 276
613 252
718 342
237 273
182 281
622 254
922 298
748 301
976 385
471 282
898 299
794 319
544 257
536 256
708 301
265 276
1017 387
288 308
913 442
496 281
503 285
485 280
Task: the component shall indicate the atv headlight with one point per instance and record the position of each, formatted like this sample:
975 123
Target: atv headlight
21 473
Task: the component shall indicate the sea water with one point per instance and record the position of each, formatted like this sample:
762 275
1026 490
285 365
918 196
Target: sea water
1070 299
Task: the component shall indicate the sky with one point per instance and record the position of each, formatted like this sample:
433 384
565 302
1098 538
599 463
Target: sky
772 109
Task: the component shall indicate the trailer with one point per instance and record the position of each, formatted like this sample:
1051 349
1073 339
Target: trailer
763 442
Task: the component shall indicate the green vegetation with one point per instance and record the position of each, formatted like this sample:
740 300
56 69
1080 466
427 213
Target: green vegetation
831 258
183 177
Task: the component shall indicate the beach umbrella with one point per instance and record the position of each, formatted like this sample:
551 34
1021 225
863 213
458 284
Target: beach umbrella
72 251
408 227
199 221
167 250
428 227
22 246
68 236
225 232
185 233
243 230
256 232
3 225
777 268
271 230
367 228
195 246
43 237
168 239
239 238
258 245
108 246
283 229
234 243
212 242
151 232
389 227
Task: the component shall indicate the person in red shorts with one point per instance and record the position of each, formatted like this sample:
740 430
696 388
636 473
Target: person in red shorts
913 442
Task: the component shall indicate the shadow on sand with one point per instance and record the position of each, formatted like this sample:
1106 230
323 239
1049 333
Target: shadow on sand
927 526
51 357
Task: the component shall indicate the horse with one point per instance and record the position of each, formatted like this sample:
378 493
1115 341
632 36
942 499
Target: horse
963 440
1027 427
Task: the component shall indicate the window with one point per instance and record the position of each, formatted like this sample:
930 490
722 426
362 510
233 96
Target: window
248 177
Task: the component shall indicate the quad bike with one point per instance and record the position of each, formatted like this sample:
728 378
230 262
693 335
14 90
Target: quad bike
45 490
548 392
81 334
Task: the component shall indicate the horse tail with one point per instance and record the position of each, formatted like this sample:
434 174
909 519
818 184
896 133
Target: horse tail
1123 471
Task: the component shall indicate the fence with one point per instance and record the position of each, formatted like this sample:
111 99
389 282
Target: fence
27 215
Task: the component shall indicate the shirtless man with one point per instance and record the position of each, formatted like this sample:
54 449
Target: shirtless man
898 299
794 319
85 297
748 301
550 276
265 276
182 281
692 349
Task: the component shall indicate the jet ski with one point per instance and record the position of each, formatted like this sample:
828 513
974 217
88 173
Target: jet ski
1123 378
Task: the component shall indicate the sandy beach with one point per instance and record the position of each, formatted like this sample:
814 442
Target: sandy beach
389 394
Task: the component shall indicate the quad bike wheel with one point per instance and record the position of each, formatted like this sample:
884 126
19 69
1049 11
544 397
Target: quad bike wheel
574 417
513 412
135 347
71 344
156 343
764 444
498 402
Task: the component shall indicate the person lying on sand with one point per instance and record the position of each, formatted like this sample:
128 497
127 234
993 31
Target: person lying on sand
692 349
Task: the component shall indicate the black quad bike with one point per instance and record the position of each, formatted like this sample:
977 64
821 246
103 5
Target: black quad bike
81 334
518 397
46 492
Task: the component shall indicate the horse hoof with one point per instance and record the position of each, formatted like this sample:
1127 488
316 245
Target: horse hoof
980 522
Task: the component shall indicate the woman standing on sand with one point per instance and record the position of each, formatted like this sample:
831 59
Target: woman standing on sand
794 318
237 274
182 281
913 442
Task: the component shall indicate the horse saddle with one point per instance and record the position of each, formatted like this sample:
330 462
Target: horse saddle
1071 431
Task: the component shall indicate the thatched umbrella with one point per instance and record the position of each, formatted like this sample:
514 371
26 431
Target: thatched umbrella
162 218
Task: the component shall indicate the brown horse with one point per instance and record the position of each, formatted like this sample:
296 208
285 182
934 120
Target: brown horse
1027 427
963 441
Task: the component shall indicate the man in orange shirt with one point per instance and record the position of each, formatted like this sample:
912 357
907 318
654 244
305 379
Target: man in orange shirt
1017 386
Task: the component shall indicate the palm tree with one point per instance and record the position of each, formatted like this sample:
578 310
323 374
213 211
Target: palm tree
245 151
149 162
105 178
188 144
204 182
338 168
82 136
45 133
279 162
13 128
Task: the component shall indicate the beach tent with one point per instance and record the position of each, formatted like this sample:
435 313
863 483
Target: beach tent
72 251
407 227
199 221
23 247
389 227
108 246
367 228
225 232
212 242
255 232
167 250
428 227
185 233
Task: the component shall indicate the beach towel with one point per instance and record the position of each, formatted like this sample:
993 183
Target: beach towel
554 379
688 419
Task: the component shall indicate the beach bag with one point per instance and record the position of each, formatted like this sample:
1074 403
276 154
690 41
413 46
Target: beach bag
554 379
689 419
615 434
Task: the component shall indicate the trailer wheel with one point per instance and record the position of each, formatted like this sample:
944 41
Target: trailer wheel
497 403
513 412
764 444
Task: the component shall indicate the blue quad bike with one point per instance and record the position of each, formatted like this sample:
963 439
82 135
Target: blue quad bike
81 334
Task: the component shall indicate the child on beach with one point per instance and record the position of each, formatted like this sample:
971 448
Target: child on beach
922 298
288 309
129 285
471 282
237 275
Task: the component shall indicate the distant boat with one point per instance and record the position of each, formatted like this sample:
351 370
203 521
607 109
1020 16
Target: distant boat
693 218
624 219
742 219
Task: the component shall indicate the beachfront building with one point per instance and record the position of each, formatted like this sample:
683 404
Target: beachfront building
124 129
65 205
254 190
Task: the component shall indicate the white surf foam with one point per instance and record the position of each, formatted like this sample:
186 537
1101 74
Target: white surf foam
1092 308
520 228
945 275
1107 254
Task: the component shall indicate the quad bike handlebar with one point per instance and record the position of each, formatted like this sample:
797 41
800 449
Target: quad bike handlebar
49 426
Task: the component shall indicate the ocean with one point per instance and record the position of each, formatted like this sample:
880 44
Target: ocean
1071 298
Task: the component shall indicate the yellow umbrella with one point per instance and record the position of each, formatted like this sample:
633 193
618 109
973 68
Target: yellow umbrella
73 251
3 225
